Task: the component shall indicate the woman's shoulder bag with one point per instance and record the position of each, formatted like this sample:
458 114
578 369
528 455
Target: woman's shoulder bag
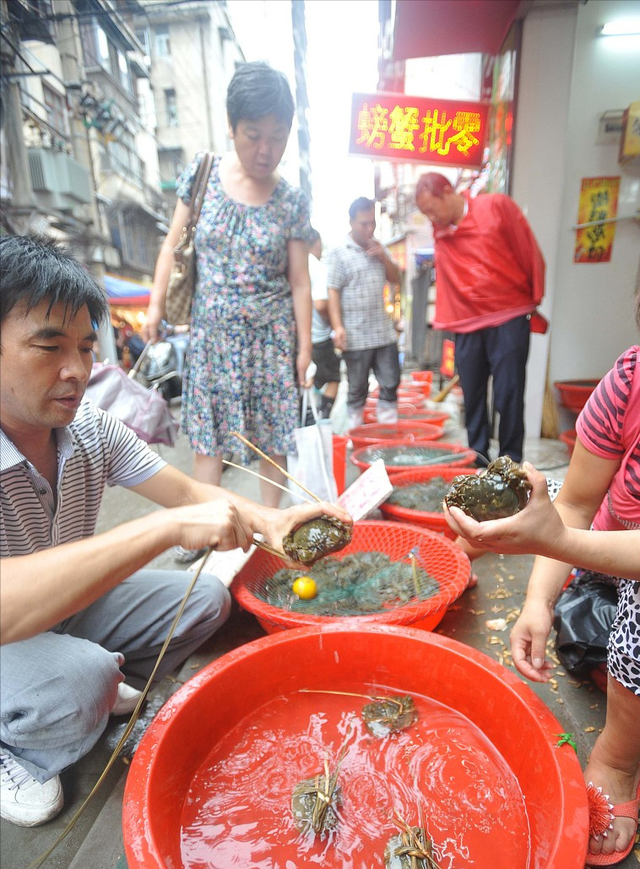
182 278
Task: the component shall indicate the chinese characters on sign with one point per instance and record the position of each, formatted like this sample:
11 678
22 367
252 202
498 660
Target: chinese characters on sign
598 202
398 127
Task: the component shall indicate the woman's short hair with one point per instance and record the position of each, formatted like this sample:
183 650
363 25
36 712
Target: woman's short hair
434 183
257 90
35 270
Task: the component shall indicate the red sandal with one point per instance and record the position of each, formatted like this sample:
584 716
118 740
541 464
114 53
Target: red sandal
601 817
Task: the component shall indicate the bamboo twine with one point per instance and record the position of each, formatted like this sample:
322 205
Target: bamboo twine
261 477
275 464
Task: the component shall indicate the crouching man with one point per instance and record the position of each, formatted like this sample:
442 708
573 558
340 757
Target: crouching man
78 615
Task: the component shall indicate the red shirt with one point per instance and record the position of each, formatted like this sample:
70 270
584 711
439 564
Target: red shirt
489 269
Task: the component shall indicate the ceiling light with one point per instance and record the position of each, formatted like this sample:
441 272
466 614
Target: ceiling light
624 27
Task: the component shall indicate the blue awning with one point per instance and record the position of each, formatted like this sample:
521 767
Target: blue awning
126 292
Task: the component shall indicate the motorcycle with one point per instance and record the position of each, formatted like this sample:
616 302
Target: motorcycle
160 365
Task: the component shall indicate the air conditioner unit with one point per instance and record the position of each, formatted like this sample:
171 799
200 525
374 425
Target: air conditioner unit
60 180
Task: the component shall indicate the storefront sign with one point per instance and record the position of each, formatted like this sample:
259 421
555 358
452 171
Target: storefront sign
598 202
398 127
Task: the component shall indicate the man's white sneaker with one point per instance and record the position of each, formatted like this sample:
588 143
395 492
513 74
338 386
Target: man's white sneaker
126 701
23 800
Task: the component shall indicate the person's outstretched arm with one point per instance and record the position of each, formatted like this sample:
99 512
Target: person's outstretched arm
39 590
539 530
585 486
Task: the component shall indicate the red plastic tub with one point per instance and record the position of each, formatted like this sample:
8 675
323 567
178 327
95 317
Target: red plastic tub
437 556
340 461
423 387
453 455
399 432
221 702
412 413
422 376
574 393
411 403
425 518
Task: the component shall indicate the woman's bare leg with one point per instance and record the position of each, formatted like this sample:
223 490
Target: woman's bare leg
207 469
614 764
271 495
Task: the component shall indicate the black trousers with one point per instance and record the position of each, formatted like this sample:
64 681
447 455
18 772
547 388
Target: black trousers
499 352
384 363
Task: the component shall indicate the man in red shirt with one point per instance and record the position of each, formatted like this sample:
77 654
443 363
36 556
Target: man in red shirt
489 280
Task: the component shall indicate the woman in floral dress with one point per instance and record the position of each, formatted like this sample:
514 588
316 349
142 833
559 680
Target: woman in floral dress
250 337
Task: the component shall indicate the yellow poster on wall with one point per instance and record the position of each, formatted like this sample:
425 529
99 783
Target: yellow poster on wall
598 202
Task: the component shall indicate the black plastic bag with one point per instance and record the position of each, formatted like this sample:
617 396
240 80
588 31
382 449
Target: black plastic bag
583 617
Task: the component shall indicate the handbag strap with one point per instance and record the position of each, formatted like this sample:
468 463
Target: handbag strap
199 189
309 401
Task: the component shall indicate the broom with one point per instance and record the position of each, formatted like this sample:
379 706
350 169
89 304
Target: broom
550 425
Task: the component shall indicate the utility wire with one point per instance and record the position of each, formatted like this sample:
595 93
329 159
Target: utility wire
110 13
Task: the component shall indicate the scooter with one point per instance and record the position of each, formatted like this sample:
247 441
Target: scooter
160 365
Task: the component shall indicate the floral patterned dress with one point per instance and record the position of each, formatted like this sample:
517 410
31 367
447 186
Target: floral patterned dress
240 368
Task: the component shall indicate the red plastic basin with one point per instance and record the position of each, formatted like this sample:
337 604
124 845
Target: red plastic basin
455 455
424 518
438 556
423 387
402 431
413 403
422 376
513 720
574 393
412 413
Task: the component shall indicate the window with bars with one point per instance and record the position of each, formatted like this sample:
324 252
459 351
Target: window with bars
163 45
57 113
171 107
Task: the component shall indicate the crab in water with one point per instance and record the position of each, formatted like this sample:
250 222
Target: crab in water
499 491
410 849
315 801
312 540
389 714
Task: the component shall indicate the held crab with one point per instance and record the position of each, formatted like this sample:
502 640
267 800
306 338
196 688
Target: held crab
313 540
499 491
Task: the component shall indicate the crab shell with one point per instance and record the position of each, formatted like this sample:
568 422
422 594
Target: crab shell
389 714
316 538
499 491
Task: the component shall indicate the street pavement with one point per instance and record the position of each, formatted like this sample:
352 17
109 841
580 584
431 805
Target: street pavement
95 842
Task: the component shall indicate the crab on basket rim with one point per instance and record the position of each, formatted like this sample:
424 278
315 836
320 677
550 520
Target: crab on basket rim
316 538
499 491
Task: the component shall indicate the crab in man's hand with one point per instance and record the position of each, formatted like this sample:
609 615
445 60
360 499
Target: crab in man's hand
316 538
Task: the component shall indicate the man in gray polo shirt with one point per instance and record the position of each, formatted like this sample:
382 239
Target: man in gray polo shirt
78 615
357 273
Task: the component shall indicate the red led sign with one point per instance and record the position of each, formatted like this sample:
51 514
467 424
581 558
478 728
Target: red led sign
398 127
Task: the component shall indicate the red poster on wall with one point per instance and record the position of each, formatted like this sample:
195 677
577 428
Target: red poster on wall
400 127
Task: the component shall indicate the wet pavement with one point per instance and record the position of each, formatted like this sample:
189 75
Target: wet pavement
95 842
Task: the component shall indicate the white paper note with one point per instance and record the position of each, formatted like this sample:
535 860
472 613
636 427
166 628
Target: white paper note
367 492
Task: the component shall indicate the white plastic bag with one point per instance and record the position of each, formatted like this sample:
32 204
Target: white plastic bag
312 464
